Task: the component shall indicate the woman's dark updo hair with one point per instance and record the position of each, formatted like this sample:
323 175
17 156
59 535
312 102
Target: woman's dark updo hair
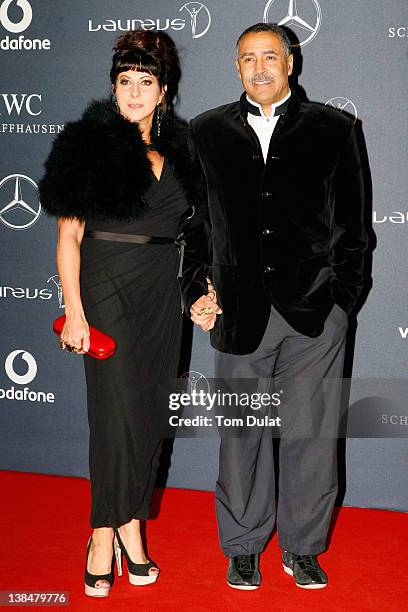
152 52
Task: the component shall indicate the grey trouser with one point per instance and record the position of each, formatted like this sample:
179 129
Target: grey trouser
245 492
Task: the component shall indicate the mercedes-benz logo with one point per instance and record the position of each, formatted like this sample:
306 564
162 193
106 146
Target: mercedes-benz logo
305 27
20 206
194 8
344 105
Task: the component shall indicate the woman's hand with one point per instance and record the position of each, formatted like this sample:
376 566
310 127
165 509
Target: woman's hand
75 333
205 310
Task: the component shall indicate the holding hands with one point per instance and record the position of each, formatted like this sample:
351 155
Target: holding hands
205 310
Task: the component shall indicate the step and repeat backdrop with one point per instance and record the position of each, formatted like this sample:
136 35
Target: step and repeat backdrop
55 57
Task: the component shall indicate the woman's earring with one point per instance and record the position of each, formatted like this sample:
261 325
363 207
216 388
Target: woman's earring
159 117
115 103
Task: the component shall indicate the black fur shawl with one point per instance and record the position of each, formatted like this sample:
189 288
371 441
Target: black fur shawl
98 168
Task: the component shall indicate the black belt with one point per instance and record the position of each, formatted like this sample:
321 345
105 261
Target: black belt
140 239
135 238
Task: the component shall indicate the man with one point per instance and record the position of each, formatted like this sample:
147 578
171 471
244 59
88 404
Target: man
287 243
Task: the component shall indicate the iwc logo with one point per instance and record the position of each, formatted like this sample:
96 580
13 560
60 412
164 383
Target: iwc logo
16 17
20 206
22 107
344 105
304 17
21 368
18 103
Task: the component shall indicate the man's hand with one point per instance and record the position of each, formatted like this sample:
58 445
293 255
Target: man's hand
205 310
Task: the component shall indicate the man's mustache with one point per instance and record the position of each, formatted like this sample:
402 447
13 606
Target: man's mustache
261 77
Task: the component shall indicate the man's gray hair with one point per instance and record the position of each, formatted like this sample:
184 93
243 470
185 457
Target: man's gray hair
273 28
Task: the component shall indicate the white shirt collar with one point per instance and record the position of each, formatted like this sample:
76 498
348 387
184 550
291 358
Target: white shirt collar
273 105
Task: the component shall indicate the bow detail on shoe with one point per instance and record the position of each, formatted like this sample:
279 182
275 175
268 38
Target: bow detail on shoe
244 563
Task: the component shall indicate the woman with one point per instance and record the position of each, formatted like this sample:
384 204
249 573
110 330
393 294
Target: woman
120 181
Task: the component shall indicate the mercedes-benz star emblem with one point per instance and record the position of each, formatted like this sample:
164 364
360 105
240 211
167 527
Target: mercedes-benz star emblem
20 206
305 27
344 105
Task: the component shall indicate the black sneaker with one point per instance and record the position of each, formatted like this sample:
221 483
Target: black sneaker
243 572
305 569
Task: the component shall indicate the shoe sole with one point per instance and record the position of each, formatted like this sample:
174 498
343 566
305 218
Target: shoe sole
95 592
287 570
142 580
243 587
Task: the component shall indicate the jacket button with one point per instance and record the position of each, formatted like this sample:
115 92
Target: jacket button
268 269
256 156
266 194
267 231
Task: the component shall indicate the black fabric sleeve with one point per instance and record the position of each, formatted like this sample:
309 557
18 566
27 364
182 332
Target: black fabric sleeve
348 252
198 253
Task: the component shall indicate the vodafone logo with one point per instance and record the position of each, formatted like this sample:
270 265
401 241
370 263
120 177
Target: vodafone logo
21 379
16 17
15 27
21 368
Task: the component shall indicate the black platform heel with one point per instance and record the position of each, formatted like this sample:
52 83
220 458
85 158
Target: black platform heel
138 572
92 579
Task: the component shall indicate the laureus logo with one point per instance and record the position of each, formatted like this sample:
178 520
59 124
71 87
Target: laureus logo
55 280
20 206
304 17
195 14
343 105
15 27
200 18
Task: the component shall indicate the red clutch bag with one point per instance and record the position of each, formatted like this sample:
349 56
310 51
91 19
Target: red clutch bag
101 346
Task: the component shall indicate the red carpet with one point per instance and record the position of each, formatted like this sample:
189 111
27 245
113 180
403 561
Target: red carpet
44 527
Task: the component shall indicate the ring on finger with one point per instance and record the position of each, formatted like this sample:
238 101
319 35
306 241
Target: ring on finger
206 310
63 345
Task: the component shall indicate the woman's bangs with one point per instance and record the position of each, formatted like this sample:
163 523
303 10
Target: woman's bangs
138 61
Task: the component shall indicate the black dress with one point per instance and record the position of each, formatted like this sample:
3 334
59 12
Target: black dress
131 292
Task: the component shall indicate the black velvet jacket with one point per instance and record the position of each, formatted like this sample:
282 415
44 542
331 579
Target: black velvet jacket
98 167
289 232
